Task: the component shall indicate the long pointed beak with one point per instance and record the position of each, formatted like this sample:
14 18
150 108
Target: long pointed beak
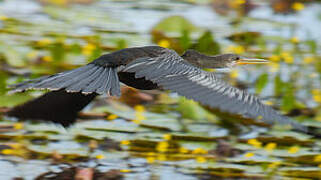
243 61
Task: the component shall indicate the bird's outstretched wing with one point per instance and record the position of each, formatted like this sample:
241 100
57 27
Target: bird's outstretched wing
88 79
173 73
99 76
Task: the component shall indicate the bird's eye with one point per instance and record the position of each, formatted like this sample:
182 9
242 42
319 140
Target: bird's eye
237 58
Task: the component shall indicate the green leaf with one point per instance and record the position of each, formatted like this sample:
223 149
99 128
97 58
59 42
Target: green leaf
288 100
261 82
3 78
191 109
57 51
185 40
14 99
313 46
206 44
278 85
175 24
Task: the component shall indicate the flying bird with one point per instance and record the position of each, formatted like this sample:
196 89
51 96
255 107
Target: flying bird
149 67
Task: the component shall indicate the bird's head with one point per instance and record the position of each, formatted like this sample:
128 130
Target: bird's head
231 60
219 61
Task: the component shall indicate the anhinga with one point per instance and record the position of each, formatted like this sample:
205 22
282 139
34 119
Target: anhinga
145 68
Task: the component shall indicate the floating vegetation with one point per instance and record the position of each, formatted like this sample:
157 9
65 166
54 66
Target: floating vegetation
148 134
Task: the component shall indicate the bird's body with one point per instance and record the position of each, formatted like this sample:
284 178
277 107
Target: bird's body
149 67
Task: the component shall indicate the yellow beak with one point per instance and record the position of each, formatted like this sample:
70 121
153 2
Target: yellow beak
244 61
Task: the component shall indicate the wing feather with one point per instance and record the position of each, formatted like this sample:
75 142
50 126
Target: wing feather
90 78
96 83
174 73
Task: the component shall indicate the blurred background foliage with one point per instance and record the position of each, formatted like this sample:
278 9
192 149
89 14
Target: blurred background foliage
155 134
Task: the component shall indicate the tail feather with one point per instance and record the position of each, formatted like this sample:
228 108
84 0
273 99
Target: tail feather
93 87
20 86
87 79
84 83
56 106
105 86
84 78
115 89
64 80
46 82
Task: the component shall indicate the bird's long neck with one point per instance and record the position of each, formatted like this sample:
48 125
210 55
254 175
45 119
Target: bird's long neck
204 61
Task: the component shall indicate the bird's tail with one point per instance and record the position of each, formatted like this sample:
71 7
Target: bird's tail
88 79
56 106
313 131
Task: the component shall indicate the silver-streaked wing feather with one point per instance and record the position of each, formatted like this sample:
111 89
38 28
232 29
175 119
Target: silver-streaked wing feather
172 72
91 78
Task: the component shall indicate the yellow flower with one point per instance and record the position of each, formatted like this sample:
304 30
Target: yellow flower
317 98
199 151
298 6
140 116
125 170
137 121
7 151
100 156
151 154
200 159
164 43
275 58
315 91
235 49
249 154
44 42
288 58
183 150
112 117
285 54
239 50
162 146
150 159
239 1
316 94
255 143
274 165
308 60
59 2
18 126
16 146
319 166
295 40
274 67
293 149
32 54
234 73
47 58
270 147
139 108
167 137
161 157
125 142
88 49
3 18
270 103
317 158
